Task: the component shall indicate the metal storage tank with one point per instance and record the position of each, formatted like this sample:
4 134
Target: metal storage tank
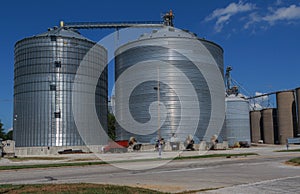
237 124
298 108
255 125
44 73
173 49
286 111
269 120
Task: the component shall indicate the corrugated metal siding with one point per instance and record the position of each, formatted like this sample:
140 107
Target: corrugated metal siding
171 51
237 124
45 68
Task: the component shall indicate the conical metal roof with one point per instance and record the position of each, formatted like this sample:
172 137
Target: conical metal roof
63 32
168 31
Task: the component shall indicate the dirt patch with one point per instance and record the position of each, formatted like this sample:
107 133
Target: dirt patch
163 188
173 188
292 164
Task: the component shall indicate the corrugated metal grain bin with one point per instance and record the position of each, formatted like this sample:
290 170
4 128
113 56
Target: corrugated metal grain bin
44 72
163 55
237 124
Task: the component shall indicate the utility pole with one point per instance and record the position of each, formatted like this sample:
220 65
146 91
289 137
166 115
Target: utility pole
158 105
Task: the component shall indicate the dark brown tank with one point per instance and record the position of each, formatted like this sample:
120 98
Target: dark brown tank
255 126
286 115
298 107
269 125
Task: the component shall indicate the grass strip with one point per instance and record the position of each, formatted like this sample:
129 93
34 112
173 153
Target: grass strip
20 159
188 157
16 167
82 188
215 156
291 150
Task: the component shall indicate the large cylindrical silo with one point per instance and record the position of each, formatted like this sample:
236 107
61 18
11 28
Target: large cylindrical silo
255 125
44 73
298 108
286 112
237 124
269 121
182 72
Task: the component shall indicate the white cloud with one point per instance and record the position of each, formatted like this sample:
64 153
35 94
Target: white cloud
262 98
289 14
11 129
254 18
255 106
260 102
223 15
264 17
284 13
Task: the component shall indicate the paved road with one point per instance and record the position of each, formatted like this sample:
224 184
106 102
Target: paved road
252 174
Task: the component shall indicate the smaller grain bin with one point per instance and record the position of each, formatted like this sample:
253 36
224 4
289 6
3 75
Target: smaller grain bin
237 125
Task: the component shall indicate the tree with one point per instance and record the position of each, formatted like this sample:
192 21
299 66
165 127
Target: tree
2 134
111 125
9 135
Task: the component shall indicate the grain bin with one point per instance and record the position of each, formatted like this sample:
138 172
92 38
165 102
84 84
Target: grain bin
44 72
181 72
237 124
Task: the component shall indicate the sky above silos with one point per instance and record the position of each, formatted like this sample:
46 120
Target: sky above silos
260 38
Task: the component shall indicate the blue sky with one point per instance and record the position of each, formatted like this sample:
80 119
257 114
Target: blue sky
260 38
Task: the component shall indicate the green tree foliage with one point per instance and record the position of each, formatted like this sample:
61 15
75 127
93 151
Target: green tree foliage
9 135
111 125
2 134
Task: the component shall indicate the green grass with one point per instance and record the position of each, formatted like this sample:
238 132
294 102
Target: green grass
20 159
295 161
83 159
215 156
16 167
82 188
188 157
290 150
